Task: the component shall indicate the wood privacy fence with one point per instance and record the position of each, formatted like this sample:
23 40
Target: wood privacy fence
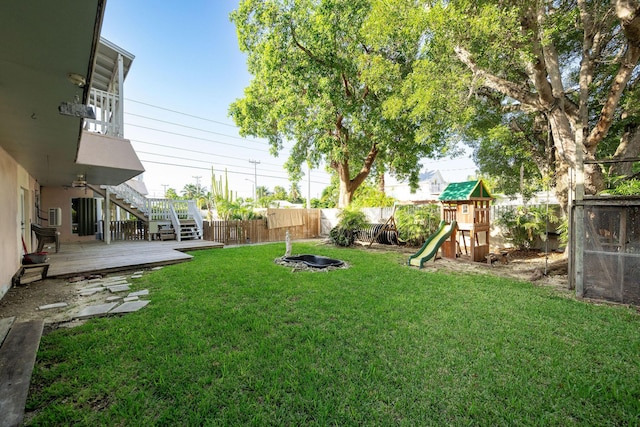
239 232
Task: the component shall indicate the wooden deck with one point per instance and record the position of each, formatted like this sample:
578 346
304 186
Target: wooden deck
98 257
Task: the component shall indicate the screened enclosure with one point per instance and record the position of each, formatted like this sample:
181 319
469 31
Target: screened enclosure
611 260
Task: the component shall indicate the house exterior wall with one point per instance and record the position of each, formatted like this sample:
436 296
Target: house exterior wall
15 182
60 197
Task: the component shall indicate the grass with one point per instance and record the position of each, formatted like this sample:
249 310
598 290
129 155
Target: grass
233 339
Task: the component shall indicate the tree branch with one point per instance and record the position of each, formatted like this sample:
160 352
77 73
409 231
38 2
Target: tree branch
615 92
517 92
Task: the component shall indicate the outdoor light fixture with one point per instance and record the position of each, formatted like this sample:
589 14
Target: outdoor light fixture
77 79
80 181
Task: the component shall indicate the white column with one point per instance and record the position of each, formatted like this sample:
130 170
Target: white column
107 216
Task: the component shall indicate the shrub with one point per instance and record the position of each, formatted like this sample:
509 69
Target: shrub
416 223
524 224
351 221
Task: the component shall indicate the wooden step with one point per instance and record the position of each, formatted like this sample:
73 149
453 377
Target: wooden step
17 357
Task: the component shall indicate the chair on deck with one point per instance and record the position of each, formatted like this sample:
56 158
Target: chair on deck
46 235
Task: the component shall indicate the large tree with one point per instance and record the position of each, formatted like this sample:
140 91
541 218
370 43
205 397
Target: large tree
532 80
323 71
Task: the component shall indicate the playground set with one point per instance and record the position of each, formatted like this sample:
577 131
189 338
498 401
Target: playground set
465 218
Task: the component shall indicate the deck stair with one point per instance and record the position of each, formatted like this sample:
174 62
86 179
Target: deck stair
189 230
162 214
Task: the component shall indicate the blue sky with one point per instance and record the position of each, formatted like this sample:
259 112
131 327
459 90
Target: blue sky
187 70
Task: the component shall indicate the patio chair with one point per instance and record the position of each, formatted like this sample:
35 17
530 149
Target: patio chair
46 235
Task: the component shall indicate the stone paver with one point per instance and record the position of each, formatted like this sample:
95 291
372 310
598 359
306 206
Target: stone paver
129 307
139 293
136 276
95 310
114 298
93 289
87 293
54 305
129 299
119 288
115 282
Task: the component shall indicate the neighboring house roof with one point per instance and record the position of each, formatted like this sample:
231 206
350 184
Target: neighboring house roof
468 190
430 184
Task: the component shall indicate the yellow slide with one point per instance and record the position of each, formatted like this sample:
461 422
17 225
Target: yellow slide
433 243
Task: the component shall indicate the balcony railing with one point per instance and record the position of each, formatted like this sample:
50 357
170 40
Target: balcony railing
107 107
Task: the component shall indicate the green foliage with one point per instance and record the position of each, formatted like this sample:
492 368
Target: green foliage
416 223
523 224
171 194
351 221
227 206
367 196
322 74
629 187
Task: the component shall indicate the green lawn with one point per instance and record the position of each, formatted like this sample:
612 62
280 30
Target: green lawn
233 339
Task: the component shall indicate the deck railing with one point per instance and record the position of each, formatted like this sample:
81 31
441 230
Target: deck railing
128 230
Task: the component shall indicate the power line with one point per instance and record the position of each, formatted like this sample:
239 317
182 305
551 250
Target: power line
228 171
195 151
198 129
181 113
192 137
193 160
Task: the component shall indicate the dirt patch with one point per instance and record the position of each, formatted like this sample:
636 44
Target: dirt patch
532 266
24 301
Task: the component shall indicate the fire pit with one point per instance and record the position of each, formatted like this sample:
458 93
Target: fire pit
314 261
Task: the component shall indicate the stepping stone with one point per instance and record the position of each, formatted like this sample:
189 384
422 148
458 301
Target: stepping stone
119 288
114 298
129 299
95 310
156 268
138 273
129 307
94 289
5 325
54 305
139 293
136 276
116 282
114 278
94 280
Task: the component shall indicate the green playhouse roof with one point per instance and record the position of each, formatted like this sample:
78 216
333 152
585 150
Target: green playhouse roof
464 191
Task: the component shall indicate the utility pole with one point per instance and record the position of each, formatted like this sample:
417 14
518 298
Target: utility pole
255 176
308 185
197 178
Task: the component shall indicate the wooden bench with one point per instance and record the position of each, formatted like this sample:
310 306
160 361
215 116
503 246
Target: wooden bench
46 235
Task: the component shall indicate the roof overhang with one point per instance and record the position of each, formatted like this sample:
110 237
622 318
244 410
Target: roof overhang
105 72
43 42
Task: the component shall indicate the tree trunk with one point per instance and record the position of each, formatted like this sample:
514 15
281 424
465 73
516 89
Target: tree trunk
629 147
348 186
346 195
